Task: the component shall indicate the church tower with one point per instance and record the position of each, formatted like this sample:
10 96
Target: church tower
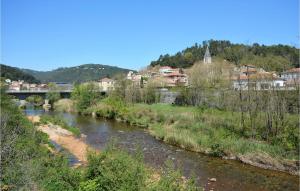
207 57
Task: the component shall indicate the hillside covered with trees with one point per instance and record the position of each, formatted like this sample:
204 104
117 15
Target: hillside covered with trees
271 58
82 73
12 73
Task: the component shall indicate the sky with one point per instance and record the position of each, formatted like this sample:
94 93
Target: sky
47 34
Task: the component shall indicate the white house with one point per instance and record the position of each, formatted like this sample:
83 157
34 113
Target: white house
258 81
165 70
293 73
106 84
291 77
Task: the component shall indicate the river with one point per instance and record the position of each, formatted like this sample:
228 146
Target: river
230 175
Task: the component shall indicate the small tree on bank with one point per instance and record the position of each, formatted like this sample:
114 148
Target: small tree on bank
85 95
52 95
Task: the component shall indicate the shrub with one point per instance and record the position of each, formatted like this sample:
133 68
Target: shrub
25 163
36 100
64 105
114 170
172 180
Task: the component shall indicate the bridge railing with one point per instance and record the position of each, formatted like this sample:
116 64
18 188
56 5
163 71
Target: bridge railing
36 91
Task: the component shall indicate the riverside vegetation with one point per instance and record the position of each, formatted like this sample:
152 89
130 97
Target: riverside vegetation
210 131
260 128
56 120
27 163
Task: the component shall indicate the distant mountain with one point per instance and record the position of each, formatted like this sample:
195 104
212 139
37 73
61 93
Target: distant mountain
14 73
82 73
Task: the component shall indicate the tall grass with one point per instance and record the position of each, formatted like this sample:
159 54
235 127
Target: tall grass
212 131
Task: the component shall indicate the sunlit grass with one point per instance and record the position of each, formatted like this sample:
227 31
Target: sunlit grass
211 131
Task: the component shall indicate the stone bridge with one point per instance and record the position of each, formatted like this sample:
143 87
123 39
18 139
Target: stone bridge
23 94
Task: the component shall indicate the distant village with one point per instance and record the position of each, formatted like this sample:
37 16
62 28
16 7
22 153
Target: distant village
244 77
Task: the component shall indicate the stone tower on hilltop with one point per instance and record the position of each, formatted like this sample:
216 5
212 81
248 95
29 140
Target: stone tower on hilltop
207 56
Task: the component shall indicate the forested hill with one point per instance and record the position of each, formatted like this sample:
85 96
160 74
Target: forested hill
271 58
82 73
12 73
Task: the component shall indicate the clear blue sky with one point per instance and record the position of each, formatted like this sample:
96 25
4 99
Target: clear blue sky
46 34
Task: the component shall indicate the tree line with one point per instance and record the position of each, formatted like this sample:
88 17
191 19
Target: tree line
15 74
271 58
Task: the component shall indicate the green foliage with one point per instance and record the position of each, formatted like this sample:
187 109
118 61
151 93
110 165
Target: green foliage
171 180
52 95
216 131
36 100
77 74
85 95
271 58
114 170
13 73
25 163
59 176
64 105
57 120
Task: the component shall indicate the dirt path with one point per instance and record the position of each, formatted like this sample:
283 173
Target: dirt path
65 138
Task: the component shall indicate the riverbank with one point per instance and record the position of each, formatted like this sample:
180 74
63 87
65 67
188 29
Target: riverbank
112 161
64 138
208 131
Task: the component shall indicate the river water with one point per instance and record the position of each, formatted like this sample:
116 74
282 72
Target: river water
230 175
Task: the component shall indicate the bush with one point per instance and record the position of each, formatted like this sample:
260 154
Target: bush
64 105
84 96
36 100
25 163
172 180
59 176
114 170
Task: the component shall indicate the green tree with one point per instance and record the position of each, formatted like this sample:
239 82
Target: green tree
53 94
85 95
36 100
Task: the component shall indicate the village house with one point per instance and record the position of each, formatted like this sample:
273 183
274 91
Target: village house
163 70
134 77
175 78
16 85
42 87
21 85
291 77
258 81
256 78
106 84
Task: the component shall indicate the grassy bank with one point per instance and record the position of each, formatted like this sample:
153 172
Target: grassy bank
56 120
210 131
